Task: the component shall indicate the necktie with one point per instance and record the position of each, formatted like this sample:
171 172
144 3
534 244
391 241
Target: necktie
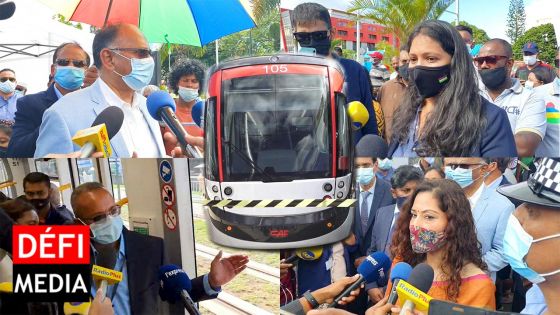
364 211
390 235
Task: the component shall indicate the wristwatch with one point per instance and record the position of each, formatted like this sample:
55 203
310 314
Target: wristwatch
307 295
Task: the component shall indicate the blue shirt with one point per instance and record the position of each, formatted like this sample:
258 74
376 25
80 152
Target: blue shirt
8 107
386 177
535 302
58 93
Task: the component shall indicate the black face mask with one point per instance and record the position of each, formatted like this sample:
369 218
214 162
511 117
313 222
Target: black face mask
493 78
557 63
403 72
429 80
39 203
322 47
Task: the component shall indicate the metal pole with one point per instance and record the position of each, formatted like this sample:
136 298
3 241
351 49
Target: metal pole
358 38
457 10
217 61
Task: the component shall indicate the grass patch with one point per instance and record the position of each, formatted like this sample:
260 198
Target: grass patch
270 258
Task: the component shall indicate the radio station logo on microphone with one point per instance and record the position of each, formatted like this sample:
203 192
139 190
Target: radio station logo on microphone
51 263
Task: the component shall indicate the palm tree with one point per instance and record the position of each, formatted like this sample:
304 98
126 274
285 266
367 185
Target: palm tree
399 16
261 8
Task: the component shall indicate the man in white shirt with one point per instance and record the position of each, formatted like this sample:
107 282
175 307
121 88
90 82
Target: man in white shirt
122 55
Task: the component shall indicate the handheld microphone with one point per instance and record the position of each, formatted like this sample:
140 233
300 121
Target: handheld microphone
375 266
401 271
162 108
103 272
197 113
358 114
372 145
96 138
76 308
413 292
311 253
175 285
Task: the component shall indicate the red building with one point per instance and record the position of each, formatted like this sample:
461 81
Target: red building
344 28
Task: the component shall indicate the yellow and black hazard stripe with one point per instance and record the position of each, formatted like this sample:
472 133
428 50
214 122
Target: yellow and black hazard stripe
285 203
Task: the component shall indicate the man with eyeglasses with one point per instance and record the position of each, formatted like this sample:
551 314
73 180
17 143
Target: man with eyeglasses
138 256
526 110
37 189
123 59
490 210
9 97
70 63
313 29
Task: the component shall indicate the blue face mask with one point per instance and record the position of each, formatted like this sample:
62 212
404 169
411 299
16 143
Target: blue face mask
364 175
69 78
7 87
517 243
141 74
385 164
400 201
461 176
187 94
108 230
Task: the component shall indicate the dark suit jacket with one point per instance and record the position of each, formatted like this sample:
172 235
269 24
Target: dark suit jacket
380 233
497 138
381 197
144 257
29 115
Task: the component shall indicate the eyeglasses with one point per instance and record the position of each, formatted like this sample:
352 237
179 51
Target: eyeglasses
490 60
113 212
140 52
304 38
6 79
463 166
76 63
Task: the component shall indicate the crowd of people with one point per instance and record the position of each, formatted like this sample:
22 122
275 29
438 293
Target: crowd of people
94 206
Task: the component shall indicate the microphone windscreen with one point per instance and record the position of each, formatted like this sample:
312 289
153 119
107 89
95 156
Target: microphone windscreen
172 280
158 100
375 266
310 253
197 113
112 117
401 271
372 146
422 277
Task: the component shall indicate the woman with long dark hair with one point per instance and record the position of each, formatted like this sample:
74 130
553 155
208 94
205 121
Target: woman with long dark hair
436 227
442 113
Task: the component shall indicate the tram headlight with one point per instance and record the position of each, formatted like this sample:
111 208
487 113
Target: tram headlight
215 189
341 184
228 191
327 187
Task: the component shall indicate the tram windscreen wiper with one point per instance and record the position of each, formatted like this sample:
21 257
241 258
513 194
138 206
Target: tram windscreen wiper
249 161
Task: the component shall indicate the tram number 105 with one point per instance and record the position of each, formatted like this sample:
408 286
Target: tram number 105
276 68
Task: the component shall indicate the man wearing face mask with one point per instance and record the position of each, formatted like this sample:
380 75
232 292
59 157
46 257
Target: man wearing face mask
530 58
550 145
490 211
403 183
313 29
186 80
123 59
8 94
137 256
525 109
68 69
532 236
391 93
384 169
37 189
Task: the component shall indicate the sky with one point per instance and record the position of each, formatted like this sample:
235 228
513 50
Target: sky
489 15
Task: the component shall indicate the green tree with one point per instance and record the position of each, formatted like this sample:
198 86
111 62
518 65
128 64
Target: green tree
399 17
542 35
479 35
59 17
389 51
515 20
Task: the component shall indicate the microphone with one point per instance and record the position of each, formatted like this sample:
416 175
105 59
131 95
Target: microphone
175 285
103 272
372 145
7 9
413 292
401 271
311 253
96 138
162 108
197 113
375 266
76 308
358 114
